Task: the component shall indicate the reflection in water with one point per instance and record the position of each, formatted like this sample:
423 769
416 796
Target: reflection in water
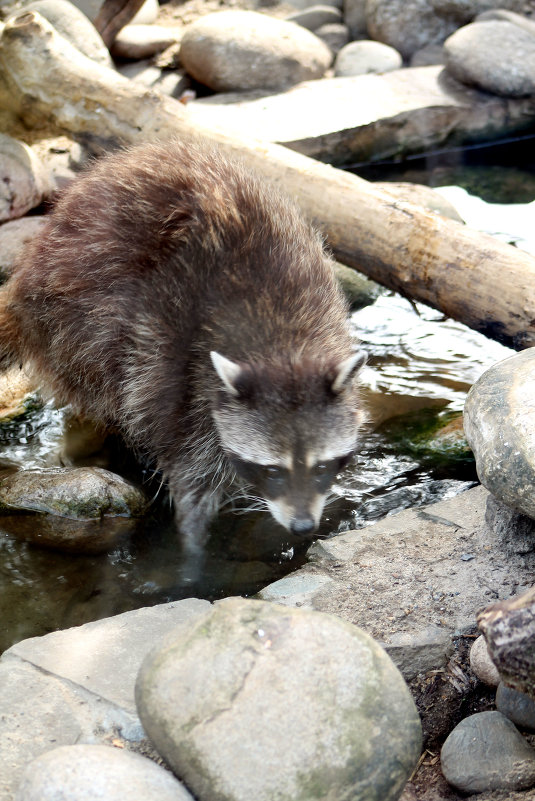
416 361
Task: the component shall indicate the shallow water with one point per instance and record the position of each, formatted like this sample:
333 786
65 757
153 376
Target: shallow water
419 369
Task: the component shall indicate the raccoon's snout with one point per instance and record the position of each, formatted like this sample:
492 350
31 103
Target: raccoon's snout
302 526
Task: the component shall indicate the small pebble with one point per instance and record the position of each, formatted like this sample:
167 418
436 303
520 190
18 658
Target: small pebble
481 663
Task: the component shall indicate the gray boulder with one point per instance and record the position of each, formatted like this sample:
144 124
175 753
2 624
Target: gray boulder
486 752
409 25
97 773
237 50
259 701
497 56
73 24
334 34
499 417
359 58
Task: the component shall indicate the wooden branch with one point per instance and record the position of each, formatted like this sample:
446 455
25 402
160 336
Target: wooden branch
469 276
114 15
509 629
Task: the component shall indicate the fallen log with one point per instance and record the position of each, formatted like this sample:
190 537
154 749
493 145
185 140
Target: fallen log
509 629
469 276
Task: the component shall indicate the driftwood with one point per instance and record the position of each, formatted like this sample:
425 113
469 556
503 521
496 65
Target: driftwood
469 276
509 629
114 15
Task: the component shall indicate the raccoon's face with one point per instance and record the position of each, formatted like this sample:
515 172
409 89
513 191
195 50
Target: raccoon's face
289 443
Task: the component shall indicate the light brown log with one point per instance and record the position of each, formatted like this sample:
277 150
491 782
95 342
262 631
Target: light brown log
509 629
469 276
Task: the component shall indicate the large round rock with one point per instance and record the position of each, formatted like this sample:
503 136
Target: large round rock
499 422
260 701
497 56
235 50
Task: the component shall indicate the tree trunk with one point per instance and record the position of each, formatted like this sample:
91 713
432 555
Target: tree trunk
469 276
509 629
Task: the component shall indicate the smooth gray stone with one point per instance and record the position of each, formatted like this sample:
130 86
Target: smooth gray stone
359 58
97 773
486 752
517 706
499 423
238 50
497 56
253 684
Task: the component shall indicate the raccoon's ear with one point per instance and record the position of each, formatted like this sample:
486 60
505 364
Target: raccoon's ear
346 370
227 371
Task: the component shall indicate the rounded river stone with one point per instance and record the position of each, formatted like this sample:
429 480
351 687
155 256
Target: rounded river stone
259 701
499 423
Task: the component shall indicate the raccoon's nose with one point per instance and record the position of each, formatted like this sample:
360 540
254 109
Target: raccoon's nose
302 525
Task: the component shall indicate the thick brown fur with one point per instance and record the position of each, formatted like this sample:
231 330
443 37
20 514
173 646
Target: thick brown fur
154 258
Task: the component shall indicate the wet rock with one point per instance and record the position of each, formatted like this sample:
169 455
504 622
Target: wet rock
237 50
77 493
14 234
143 41
73 24
481 663
517 706
486 752
17 392
409 25
97 772
355 17
470 56
250 672
334 34
24 181
314 16
359 290
358 58
499 417
171 82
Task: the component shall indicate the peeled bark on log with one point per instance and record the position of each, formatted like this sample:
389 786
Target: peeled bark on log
509 629
470 276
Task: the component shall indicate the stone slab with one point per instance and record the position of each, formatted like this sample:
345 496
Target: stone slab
368 117
103 657
414 580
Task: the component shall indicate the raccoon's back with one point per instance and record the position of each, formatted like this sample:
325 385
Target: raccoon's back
145 247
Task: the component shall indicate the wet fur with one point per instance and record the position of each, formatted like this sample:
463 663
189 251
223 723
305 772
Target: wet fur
154 258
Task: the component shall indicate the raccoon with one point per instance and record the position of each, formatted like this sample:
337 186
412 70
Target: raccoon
186 303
